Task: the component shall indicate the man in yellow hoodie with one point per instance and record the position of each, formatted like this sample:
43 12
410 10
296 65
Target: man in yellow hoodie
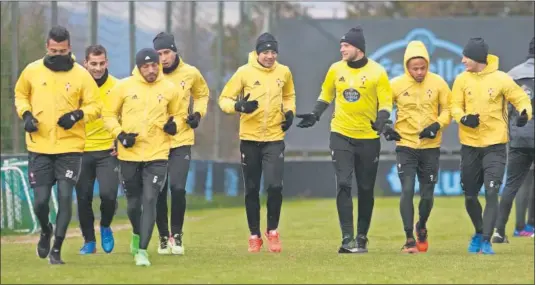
189 80
479 101
421 98
52 96
99 162
147 104
363 96
266 113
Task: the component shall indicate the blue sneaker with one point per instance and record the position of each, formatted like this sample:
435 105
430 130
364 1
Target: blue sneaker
525 232
107 239
89 248
529 228
476 244
486 248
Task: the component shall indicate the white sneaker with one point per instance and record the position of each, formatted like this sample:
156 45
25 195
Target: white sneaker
164 246
176 244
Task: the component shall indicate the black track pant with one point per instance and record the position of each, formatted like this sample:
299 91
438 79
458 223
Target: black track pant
519 163
44 171
482 165
179 164
267 158
359 156
101 166
425 164
142 182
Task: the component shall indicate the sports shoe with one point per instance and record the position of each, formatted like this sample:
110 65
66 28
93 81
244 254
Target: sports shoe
255 243
422 238
134 244
486 248
107 239
55 257
362 242
476 244
43 246
410 246
164 246
88 248
348 245
176 244
142 258
527 231
274 244
497 238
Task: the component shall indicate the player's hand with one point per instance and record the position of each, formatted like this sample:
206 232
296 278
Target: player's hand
472 121
127 140
193 120
522 119
308 120
68 120
114 149
391 135
289 118
30 122
381 120
245 106
430 132
170 127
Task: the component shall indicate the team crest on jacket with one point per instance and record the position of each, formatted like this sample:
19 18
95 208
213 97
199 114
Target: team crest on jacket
67 86
160 97
429 93
351 95
341 79
279 83
363 79
490 91
183 84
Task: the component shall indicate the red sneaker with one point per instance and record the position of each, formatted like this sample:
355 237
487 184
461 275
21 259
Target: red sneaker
255 243
274 244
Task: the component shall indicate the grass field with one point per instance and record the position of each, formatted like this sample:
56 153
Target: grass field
216 252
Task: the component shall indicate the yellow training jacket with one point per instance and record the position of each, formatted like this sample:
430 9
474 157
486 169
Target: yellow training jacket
419 104
189 81
486 93
272 87
49 95
359 94
97 136
144 108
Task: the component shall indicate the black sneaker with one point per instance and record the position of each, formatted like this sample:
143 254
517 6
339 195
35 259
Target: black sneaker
176 245
410 246
43 246
55 257
163 245
348 245
362 242
497 238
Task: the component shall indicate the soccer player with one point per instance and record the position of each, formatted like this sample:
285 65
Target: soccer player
146 104
189 80
421 98
52 96
363 97
266 113
478 104
99 162
520 156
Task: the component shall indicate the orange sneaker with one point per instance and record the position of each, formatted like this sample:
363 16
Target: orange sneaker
422 238
255 243
410 246
274 244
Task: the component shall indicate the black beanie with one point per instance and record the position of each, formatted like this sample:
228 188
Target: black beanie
355 37
531 48
266 42
164 41
477 50
146 55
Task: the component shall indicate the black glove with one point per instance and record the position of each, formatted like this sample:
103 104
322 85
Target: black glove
30 122
308 120
391 135
430 131
381 120
472 121
127 140
170 127
245 106
68 120
289 118
522 119
193 120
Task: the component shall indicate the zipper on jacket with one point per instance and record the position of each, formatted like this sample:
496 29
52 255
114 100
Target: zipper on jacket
419 94
144 128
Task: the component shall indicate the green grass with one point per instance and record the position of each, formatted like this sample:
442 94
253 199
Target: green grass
216 252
